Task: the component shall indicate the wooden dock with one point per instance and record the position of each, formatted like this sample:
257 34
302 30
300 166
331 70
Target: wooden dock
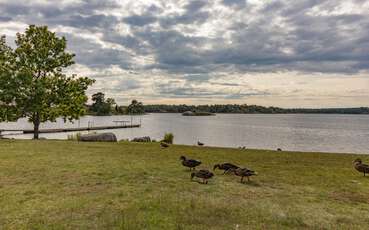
61 130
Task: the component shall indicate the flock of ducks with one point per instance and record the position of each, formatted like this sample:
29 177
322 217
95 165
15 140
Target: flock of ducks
205 174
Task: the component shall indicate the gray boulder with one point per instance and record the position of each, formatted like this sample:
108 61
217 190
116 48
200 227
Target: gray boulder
141 139
106 137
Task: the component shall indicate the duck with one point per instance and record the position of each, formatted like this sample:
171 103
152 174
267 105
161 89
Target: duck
164 145
204 174
190 163
359 166
200 143
226 167
244 172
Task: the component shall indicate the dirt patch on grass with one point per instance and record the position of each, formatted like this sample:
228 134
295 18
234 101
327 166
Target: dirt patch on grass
349 197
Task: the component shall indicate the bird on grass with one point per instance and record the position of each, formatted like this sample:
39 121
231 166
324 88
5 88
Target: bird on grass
204 174
279 149
200 143
190 163
359 166
227 167
244 172
164 145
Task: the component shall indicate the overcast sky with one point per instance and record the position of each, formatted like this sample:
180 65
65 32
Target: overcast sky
304 53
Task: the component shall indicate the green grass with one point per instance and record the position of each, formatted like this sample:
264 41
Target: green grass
73 185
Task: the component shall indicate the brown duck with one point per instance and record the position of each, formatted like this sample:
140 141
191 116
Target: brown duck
204 174
359 166
227 167
244 172
190 163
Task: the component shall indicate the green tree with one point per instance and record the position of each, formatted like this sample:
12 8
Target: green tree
110 101
98 98
32 81
135 108
101 106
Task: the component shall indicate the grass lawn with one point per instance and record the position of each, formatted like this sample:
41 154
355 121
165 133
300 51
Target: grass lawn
71 185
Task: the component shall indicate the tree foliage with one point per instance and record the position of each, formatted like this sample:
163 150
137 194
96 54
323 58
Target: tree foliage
33 83
234 108
136 108
102 106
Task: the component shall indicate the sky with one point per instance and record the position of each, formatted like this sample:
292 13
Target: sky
290 53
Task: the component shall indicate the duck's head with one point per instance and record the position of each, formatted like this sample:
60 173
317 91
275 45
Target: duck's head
183 158
216 166
357 161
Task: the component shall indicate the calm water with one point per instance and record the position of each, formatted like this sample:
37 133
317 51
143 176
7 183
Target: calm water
301 132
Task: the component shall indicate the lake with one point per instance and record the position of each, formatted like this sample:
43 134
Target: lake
295 132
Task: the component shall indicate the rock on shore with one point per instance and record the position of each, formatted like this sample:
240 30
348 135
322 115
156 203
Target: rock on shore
141 139
105 137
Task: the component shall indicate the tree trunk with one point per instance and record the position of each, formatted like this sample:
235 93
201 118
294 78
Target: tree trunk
36 125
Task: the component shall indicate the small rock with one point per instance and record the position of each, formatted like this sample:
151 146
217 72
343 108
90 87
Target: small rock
141 139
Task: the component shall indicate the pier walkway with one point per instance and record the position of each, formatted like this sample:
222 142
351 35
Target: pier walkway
59 130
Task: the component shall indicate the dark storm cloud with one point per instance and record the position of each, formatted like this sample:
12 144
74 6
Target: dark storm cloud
140 20
238 3
91 54
5 19
90 22
195 13
28 9
187 18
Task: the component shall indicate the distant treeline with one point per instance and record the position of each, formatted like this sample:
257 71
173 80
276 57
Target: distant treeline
102 106
233 108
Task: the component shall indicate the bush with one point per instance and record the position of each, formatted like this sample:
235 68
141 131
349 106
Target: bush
168 138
